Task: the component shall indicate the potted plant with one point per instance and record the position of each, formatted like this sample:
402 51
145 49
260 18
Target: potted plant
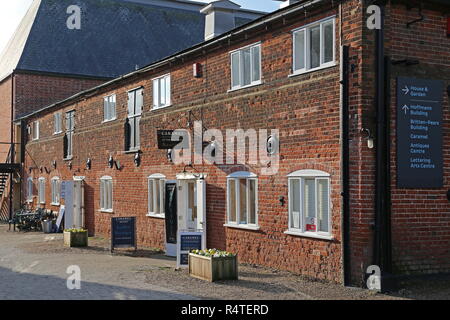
75 237
213 265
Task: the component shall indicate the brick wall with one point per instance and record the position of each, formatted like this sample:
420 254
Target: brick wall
5 117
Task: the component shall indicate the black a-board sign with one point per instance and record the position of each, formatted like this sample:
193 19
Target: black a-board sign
419 133
123 233
165 140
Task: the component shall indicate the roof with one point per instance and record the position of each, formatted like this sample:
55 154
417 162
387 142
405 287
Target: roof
116 36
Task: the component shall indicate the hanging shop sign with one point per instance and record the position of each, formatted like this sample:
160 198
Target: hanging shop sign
187 241
419 133
165 140
123 233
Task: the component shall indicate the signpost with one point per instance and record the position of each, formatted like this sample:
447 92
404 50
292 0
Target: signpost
187 241
123 233
419 133
60 217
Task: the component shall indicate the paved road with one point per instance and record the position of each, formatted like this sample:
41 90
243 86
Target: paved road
25 275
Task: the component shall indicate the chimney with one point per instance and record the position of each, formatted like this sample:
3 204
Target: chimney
285 3
220 17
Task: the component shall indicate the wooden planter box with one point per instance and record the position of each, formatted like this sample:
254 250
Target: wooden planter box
213 269
76 239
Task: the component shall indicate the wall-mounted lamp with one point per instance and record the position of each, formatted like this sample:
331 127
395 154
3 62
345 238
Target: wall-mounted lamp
272 145
369 137
70 165
137 159
54 164
88 164
41 169
169 155
282 201
110 162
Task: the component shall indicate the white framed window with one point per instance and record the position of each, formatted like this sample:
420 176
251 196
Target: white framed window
246 66
314 46
161 92
156 195
309 203
242 200
35 130
57 120
70 127
109 108
56 191
30 189
106 194
41 190
135 104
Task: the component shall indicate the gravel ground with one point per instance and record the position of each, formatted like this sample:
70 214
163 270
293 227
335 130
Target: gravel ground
150 269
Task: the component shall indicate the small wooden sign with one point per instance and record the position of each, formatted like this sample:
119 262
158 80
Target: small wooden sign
123 233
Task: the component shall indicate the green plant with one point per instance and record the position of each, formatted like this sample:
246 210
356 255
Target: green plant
75 230
213 253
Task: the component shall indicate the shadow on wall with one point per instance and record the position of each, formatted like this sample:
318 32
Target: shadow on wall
26 286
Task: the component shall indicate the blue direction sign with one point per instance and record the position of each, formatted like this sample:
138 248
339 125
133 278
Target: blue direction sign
419 133
123 232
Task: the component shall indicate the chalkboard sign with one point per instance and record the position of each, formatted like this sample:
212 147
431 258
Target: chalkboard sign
164 138
419 133
187 241
123 232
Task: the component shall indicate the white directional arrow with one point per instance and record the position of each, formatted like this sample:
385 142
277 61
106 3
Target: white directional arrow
406 89
405 108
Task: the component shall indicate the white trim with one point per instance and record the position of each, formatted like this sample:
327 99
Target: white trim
308 173
156 176
242 226
309 235
254 84
168 102
311 24
102 194
245 47
303 71
241 72
159 216
41 196
242 174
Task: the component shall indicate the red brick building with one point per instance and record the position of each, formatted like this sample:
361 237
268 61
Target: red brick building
327 82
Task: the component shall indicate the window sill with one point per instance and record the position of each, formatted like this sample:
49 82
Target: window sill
298 73
55 204
29 201
241 226
152 215
133 151
257 83
106 211
161 107
110 120
68 158
309 235
56 133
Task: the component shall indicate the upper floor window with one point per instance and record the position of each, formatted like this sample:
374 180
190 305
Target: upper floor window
106 194
242 199
132 124
56 189
309 202
68 137
57 123
156 193
41 190
161 92
35 130
109 108
30 189
246 66
314 46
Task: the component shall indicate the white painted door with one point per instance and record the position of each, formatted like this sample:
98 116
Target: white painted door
201 208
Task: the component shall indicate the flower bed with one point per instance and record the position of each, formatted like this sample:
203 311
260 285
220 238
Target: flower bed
213 265
75 238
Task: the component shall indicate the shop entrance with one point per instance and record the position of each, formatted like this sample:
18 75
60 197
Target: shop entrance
74 203
171 217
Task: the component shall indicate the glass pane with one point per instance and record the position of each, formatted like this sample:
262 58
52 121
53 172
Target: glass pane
314 34
295 203
309 205
138 132
102 194
112 111
246 62
157 196
155 93
162 91
139 102
232 199
150 196
252 200
192 207
299 50
323 204
235 82
167 79
328 42
109 194
105 109
242 200
256 64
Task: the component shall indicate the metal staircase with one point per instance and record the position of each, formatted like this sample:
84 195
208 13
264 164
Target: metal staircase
7 169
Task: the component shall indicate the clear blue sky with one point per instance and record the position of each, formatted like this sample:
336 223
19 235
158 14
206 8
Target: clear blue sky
12 11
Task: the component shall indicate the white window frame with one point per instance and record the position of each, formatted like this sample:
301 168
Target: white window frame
236 176
302 175
153 181
135 141
70 128
30 190
109 113
35 130
307 46
57 127
41 190
241 69
104 206
157 104
56 191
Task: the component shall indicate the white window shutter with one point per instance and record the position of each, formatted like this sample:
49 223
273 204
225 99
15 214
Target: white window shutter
162 184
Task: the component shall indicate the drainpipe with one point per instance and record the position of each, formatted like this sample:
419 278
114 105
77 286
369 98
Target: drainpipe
11 184
382 241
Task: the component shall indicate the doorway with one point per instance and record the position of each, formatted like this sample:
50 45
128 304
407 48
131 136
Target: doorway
171 217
